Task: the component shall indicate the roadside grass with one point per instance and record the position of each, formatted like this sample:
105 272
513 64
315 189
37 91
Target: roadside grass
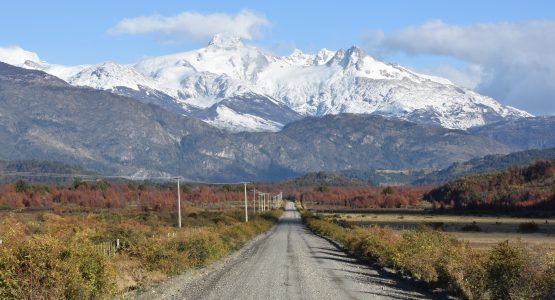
53 256
507 271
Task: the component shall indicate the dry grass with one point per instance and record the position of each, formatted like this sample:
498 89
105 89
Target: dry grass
494 230
480 240
63 254
506 270
449 222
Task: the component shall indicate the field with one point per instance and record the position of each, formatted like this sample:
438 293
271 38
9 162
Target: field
481 232
104 240
472 265
111 252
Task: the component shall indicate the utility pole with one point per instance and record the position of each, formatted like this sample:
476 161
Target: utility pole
246 203
254 201
178 204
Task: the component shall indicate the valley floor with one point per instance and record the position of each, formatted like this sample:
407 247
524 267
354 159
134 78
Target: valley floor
289 262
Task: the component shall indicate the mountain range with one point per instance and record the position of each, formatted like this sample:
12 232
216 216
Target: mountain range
237 87
229 112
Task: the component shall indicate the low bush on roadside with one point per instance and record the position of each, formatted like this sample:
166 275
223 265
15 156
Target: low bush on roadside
51 256
47 268
508 271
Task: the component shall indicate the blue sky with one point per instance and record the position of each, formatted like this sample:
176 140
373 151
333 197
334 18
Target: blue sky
77 32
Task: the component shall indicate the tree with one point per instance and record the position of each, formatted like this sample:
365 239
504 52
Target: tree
22 186
388 190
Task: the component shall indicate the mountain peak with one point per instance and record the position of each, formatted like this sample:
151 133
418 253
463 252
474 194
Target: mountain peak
17 56
296 52
225 40
355 51
347 58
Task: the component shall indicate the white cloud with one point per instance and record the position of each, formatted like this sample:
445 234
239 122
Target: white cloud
469 76
192 25
519 58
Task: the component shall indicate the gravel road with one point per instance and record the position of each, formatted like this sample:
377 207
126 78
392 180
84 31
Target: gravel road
289 262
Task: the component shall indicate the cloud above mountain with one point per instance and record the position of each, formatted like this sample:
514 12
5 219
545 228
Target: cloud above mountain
513 62
245 24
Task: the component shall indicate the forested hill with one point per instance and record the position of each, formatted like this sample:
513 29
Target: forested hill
489 163
38 167
35 166
515 188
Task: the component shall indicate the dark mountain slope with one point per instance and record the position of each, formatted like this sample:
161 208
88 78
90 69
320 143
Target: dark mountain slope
484 164
43 118
521 134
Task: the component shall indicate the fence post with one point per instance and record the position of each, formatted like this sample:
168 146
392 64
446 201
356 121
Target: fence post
117 244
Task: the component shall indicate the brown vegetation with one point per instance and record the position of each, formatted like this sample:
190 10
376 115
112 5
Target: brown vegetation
359 197
530 187
104 195
507 271
56 256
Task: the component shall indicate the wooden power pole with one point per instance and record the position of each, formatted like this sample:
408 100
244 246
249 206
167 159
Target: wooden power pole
254 201
246 203
178 204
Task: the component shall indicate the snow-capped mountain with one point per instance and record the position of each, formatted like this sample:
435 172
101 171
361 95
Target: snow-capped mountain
242 88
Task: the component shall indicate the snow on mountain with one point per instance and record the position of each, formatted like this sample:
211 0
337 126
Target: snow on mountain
109 75
247 111
226 117
30 60
16 56
241 88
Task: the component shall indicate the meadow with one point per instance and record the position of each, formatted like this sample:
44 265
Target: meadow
482 232
88 242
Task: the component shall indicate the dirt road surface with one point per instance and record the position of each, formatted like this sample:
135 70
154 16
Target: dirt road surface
289 262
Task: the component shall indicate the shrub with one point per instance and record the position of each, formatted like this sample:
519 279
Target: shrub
388 190
529 227
508 274
472 227
201 248
156 254
469 280
427 255
52 256
420 253
376 244
548 280
8 275
434 225
47 268
22 186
